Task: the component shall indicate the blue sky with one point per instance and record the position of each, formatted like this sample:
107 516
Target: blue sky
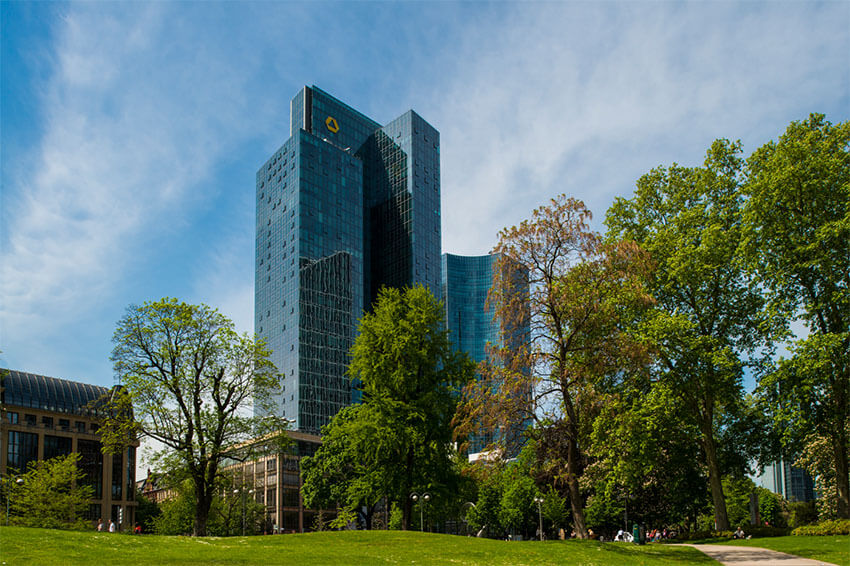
131 132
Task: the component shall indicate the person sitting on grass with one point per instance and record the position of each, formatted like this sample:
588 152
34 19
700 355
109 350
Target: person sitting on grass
739 533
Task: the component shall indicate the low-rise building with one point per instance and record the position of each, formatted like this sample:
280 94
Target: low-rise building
274 480
43 417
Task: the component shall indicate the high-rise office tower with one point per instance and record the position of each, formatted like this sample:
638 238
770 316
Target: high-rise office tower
472 325
344 207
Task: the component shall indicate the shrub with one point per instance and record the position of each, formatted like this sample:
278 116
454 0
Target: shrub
826 528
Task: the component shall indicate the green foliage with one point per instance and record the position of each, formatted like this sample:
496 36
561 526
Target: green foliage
644 450
798 245
190 378
51 495
801 513
177 514
770 508
708 320
826 528
399 439
344 517
146 512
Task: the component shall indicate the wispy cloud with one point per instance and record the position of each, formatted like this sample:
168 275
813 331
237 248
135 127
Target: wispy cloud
135 125
584 98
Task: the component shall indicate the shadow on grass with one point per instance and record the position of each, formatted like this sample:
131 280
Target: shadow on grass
669 553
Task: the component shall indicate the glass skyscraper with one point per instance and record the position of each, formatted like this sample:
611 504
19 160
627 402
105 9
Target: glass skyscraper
344 207
466 282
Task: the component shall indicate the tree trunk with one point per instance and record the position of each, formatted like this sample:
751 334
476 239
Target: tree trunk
405 518
842 481
721 519
203 503
573 473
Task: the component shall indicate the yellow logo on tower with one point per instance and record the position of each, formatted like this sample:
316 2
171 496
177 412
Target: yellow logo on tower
330 122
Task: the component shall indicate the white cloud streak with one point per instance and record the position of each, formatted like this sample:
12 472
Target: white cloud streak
584 98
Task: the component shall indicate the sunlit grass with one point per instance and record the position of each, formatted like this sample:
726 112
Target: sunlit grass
42 546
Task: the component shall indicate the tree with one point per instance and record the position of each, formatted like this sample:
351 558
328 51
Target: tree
344 471
645 461
707 323
399 439
191 380
582 293
51 495
798 244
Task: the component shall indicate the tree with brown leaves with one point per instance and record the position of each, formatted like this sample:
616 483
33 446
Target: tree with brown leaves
581 296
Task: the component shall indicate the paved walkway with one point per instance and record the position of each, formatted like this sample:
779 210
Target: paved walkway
751 556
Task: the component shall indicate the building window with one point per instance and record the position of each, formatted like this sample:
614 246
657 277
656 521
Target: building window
64 424
117 468
91 464
131 471
30 420
55 446
81 426
13 417
21 450
47 422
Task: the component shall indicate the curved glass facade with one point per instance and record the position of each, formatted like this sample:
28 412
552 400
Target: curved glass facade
23 389
466 282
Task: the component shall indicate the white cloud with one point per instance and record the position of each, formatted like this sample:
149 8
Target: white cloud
134 126
584 98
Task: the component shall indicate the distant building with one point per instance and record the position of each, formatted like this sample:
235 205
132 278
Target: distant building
473 328
791 482
44 417
274 480
344 207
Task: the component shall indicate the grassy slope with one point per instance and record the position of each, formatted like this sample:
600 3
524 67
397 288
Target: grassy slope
42 546
834 549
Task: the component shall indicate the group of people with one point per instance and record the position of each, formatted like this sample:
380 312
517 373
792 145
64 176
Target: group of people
112 528
654 535
100 525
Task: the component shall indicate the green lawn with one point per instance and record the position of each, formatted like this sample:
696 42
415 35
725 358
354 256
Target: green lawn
835 549
42 546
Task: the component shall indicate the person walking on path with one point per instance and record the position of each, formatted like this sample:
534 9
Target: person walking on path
753 556
111 526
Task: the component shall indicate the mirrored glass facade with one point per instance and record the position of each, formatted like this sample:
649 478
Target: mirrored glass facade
466 282
344 207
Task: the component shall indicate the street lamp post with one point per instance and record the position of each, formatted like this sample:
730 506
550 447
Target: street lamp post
424 498
539 501
19 481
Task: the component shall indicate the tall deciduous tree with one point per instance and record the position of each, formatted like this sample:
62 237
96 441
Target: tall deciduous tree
798 242
399 438
192 381
582 295
707 319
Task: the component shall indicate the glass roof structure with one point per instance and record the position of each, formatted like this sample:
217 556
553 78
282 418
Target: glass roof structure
21 389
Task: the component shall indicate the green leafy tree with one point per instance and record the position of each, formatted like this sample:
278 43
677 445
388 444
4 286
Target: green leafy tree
646 463
51 495
399 439
582 295
707 324
485 514
146 512
798 243
191 380
346 470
